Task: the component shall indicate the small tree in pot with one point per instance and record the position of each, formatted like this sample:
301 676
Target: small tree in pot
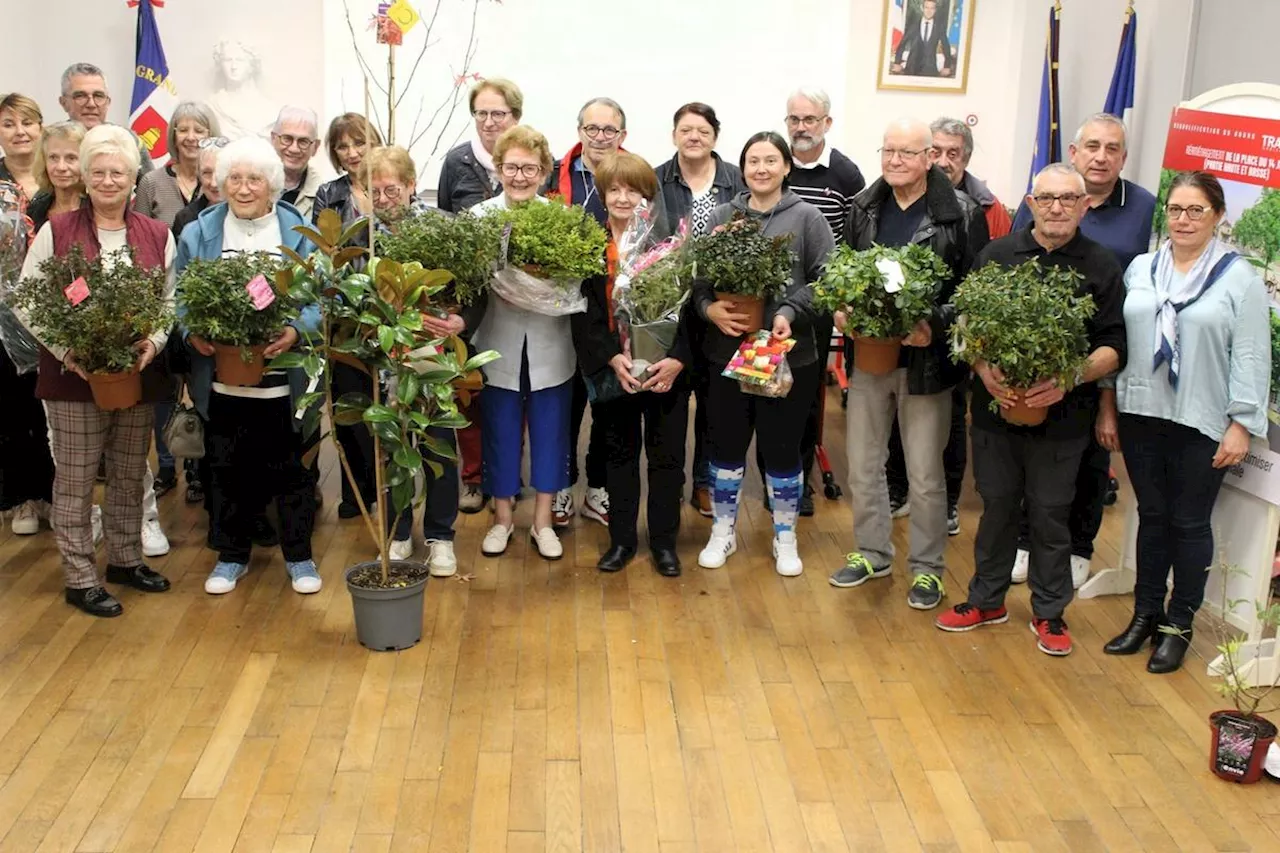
884 292
1028 320
744 266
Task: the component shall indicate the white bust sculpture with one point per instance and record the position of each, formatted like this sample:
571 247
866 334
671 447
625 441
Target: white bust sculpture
241 107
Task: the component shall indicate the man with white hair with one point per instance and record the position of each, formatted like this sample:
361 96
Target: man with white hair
911 203
295 136
1036 466
86 100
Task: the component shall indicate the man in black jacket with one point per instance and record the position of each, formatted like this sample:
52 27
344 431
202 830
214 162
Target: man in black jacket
1038 464
910 203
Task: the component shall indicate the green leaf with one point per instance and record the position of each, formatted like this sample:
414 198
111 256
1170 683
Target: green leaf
407 457
402 496
439 448
348 417
377 414
408 388
386 338
287 360
479 360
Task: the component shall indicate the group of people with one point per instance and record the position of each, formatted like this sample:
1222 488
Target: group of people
1177 375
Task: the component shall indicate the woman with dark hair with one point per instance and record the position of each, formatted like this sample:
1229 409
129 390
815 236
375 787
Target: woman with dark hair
733 416
1184 415
349 139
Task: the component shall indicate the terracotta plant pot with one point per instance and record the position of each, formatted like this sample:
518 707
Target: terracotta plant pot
112 391
752 306
1239 745
1020 414
231 369
876 356
388 619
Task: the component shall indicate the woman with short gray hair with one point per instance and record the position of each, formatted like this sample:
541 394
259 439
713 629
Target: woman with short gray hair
162 193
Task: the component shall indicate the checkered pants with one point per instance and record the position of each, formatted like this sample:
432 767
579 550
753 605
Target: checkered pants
82 433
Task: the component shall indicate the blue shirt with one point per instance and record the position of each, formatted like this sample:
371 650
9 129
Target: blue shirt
1122 223
1225 336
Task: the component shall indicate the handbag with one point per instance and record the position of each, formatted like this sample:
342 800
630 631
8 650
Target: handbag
184 431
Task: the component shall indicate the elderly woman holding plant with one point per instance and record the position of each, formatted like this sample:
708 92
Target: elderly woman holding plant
109 232
1184 408
253 439
733 415
652 410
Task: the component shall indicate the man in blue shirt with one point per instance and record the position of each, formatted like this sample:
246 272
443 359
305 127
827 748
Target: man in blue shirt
1119 217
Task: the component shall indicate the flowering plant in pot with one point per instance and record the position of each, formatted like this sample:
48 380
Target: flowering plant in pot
1028 320
372 321
100 311
545 251
237 304
883 292
743 265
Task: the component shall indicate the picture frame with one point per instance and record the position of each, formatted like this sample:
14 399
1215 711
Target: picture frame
949 33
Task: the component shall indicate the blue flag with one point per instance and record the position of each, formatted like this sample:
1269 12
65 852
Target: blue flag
1048 148
1120 95
153 93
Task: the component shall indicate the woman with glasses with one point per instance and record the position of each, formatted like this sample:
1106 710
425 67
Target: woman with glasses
253 442
82 433
1194 390
469 175
349 139
163 193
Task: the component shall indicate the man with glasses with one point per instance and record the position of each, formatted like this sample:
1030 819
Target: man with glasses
295 137
1118 215
86 100
602 128
910 203
1036 466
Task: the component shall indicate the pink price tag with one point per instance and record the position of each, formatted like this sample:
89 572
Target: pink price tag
77 291
259 291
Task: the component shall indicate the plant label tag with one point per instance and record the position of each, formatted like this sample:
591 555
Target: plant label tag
260 292
892 272
77 291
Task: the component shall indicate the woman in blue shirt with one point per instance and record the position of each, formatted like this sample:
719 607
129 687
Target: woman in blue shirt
1194 390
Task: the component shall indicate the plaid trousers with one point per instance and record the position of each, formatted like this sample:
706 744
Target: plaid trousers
82 433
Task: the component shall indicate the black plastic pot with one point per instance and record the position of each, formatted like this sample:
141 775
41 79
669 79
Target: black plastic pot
389 619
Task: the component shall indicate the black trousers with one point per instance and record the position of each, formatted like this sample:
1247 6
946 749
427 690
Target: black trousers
255 456
1088 504
356 441
440 504
955 456
812 424
1011 469
778 423
595 448
1171 468
657 423
26 465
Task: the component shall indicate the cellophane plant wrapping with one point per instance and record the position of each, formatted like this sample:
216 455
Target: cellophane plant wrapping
214 304
465 245
23 350
126 304
1028 320
545 251
650 288
739 258
883 291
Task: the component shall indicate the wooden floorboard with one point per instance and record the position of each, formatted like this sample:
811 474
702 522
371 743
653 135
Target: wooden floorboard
553 708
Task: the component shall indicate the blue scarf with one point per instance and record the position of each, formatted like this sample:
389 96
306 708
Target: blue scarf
1172 297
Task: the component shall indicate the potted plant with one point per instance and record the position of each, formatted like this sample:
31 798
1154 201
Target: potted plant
234 303
99 311
1028 320
465 245
744 266
884 292
651 285
372 320
546 250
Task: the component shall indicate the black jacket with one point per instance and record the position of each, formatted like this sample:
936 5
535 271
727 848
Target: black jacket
332 195
464 182
596 343
955 227
189 214
677 198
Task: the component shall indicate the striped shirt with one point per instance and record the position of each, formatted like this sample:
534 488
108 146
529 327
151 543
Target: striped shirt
829 184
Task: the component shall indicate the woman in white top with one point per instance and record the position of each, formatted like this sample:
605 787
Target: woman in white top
532 380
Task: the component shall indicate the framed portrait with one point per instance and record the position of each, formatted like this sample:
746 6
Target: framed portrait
925 45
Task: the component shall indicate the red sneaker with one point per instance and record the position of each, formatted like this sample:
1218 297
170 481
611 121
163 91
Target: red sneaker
1053 636
966 617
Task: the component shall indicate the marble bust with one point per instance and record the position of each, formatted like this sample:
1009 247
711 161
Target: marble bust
241 107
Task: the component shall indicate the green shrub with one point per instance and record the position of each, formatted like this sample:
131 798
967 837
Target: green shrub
738 258
661 288
213 303
554 240
465 245
852 283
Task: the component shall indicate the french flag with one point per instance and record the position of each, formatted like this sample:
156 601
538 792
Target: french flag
898 22
153 95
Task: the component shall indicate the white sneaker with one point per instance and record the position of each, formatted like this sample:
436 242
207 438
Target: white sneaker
441 561
786 555
1021 564
401 549
722 544
95 521
596 506
25 521
495 541
547 543
154 542
1079 571
472 498
562 508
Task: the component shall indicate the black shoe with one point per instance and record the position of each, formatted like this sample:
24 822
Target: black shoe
616 558
102 470
1143 627
138 577
667 562
348 509
806 501
195 492
95 601
166 481
953 521
1170 649
264 535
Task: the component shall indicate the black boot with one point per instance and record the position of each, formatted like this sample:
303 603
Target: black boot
1143 627
1169 651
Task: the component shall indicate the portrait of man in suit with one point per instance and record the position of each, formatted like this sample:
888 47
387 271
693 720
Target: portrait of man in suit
925 50
925 45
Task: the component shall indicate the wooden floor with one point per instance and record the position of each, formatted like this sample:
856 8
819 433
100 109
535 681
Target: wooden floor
550 707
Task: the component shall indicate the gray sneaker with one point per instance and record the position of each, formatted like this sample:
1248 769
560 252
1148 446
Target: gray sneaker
857 571
926 592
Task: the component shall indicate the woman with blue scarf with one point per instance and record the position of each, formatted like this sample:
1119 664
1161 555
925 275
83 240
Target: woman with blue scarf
1187 409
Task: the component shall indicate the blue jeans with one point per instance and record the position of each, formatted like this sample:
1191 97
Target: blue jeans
164 458
505 413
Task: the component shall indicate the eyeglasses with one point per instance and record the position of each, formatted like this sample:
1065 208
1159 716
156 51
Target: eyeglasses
807 121
288 141
254 182
391 193
1045 200
116 176
888 154
605 132
213 142
82 98
529 170
498 116
1195 212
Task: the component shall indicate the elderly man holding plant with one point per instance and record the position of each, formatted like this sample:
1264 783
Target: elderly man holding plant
1036 463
